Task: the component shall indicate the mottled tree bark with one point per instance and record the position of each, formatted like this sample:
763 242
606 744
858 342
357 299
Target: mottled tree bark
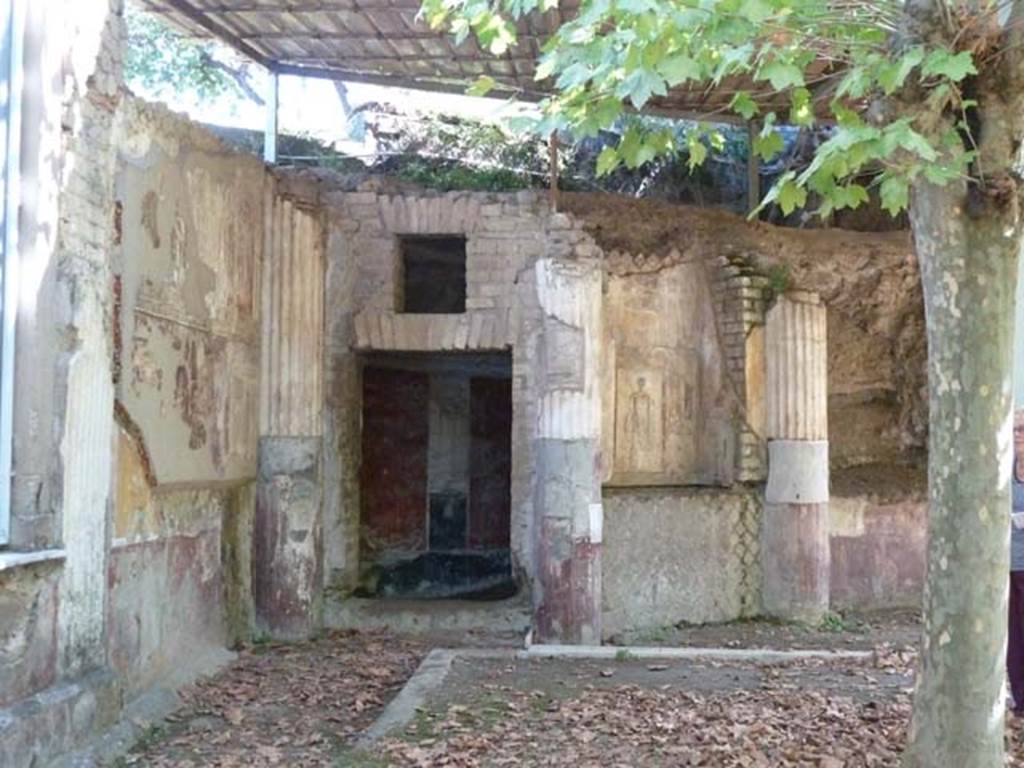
968 239
969 269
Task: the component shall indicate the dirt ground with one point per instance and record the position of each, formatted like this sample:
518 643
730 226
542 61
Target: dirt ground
304 704
283 704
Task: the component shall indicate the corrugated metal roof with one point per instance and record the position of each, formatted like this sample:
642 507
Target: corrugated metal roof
383 42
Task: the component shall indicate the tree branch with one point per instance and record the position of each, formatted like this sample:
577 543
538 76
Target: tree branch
239 76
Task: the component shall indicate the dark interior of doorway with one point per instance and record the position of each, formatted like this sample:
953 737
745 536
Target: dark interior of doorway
435 476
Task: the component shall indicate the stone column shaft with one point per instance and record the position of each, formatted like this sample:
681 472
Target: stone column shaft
287 527
567 590
795 525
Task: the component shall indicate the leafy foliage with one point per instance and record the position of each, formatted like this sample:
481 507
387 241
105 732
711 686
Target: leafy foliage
829 60
451 152
159 61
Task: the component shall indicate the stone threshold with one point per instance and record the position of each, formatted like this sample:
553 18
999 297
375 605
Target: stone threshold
750 655
407 616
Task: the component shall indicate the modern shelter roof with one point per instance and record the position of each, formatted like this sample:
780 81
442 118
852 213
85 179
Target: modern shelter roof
383 42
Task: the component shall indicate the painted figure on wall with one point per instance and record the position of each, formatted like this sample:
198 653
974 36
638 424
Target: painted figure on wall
639 422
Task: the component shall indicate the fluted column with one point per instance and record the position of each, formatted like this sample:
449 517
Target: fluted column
287 527
567 591
795 524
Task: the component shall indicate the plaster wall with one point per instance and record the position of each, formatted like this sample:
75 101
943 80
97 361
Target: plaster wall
679 554
879 537
187 270
52 630
692 555
186 257
135 394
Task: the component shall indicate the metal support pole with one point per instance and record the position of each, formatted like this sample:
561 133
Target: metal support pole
753 167
553 169
11 72
270 132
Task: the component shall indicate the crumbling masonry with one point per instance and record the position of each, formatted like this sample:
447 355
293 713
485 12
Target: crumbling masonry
615 422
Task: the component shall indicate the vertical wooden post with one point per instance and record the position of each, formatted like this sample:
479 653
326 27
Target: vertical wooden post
553 169
753 167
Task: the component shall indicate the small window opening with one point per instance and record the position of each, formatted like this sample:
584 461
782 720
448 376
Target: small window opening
433 275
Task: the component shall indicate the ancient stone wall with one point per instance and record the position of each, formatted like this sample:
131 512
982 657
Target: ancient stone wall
186 261
505 235
680 554
136 395
53 578
869 282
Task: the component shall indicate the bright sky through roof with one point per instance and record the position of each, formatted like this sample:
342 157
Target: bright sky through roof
311 107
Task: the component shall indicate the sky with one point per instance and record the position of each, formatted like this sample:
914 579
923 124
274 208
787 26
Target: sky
311 106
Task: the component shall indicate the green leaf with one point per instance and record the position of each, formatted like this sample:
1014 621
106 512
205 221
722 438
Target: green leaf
678 69
781 74
743 105
891 76
607 161
640 86
848 196
791 196
573 76
801 112
901 135
756 11
855 83
483 85
546 68
955 66
768 144
697 151
895 193
940 174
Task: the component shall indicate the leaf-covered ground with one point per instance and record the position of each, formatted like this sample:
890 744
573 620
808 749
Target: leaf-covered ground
304 704
628 712
283 704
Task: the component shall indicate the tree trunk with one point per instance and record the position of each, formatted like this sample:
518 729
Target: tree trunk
968 254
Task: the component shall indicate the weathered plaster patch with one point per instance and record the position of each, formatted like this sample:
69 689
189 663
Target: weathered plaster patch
846 516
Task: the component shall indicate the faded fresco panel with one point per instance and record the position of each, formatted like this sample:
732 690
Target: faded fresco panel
663 399
191 246
640 413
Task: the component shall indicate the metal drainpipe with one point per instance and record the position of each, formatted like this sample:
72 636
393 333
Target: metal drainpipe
11 74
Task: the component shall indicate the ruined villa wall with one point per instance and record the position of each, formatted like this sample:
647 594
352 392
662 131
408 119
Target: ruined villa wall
706 567
54 686
687 317
505 235
680 328
186 348
137 363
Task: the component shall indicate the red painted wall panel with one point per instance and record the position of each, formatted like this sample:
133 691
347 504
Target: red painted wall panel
490 467
394 466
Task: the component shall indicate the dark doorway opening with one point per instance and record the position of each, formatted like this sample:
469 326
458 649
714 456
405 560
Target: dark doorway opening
435 492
